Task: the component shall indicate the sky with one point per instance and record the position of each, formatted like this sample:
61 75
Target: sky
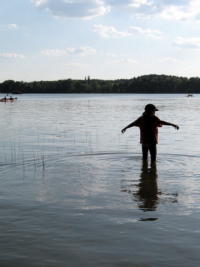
103 39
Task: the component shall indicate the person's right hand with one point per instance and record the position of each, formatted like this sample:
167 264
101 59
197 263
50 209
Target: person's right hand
123 130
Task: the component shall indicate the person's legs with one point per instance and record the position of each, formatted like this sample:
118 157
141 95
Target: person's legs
153 152
145 149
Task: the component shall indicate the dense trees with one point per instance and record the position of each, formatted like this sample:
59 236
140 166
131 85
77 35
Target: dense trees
143 84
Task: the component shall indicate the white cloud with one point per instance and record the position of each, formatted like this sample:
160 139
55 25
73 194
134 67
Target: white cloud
124 61
193 42
148 32
168 59
119 59
109 31
165 9
54 52
111 55
11 55
82 51
188 10
39 3
129 3
12 26
76 65
118 2
74 8
139 3
174 10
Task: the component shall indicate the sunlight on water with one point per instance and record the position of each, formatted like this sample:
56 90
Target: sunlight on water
74 191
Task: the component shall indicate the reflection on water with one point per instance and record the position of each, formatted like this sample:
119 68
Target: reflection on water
147 195
145 191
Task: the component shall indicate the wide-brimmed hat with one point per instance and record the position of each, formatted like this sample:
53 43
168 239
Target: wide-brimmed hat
150 107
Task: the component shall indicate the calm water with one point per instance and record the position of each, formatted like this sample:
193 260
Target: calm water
74 192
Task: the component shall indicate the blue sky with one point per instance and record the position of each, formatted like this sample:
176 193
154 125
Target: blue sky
106 39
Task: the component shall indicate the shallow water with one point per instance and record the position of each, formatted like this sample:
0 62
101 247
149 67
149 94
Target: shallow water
74 191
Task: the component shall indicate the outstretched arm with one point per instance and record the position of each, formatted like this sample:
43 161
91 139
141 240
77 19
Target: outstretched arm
170 124
129 126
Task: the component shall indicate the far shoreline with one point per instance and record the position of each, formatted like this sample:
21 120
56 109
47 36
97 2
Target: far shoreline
146 84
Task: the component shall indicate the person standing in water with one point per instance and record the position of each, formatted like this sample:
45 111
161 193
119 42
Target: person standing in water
148 124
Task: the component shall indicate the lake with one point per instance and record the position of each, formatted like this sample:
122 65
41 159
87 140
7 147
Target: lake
74 191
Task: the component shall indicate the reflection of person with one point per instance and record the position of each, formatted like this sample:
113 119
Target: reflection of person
147 194
148 124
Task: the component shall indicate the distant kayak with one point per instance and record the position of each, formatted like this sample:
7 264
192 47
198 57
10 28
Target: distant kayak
8 99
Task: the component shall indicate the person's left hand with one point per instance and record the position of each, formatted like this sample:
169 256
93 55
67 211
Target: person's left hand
176 127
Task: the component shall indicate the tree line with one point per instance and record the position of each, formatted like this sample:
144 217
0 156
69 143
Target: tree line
143 84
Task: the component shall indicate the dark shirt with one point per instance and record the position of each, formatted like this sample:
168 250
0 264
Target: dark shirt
148 125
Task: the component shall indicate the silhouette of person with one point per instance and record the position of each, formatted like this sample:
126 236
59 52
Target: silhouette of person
148 124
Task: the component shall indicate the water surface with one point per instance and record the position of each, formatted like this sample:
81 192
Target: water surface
74 190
